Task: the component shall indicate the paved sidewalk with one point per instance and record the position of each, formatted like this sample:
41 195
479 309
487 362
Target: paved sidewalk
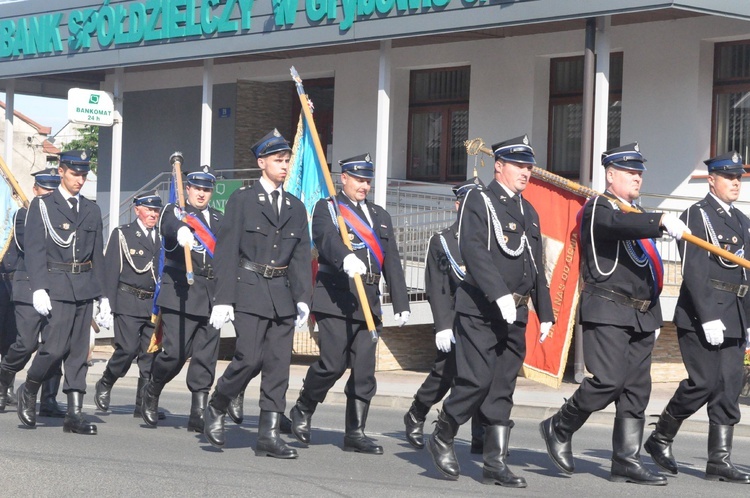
396 390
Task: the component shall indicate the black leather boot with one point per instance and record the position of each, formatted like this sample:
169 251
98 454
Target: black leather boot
495 471
75 422
213 419
477 436
440 446
27 402
557 432
48 406
269 442
236 409
627 466
414 423
7 378
301 414
720 466
150 403
285 425
104 390
11 398
139 400
197 407
355 438
659 443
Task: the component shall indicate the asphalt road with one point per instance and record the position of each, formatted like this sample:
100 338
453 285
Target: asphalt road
129 459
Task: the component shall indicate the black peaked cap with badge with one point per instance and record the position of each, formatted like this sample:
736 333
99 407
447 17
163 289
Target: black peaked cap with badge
460 190
149 199
625 157
360 166
729 163
515 150
204 177
78 160
47 178
272 143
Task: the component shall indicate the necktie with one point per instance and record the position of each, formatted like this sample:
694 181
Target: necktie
361 210
74 206
150 235
275 203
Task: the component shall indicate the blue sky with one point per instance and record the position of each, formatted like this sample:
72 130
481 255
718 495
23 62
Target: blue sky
45 111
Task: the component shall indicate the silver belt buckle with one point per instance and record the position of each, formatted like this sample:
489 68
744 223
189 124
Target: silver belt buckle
743 290
644 306
267 272
75 268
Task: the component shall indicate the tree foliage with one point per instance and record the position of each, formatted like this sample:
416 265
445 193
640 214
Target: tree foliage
89 140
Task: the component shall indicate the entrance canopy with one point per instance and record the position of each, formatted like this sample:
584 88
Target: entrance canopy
49 48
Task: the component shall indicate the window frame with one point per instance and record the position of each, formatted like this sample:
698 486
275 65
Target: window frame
568 98
446 107
725 86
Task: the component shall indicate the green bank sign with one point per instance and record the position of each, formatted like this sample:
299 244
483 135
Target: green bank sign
125 25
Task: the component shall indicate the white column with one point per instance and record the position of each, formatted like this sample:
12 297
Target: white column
206 112
116 172
601 101
10 97
382 136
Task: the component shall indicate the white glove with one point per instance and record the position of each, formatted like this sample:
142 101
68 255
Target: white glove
507 307
185 237
747 336
657 332
674 226
402 318
353 265
714 331
544 329
444 339
41 302
104 317
221 314
303 312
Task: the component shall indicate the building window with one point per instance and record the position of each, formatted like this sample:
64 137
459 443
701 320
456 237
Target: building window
438 124
731 109
565 112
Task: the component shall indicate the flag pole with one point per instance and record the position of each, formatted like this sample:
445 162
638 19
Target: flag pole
332 193
176 160
15 187
476 145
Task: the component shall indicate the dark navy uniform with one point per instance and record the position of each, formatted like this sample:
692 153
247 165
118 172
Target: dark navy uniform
444 272
185 310
619 312
132 264
9 331
8 265
344 339
253 243
27 322
131 259
501 244
713 290
63 254
72 274
264 281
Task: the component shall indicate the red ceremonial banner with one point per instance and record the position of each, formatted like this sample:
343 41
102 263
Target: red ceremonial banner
557 208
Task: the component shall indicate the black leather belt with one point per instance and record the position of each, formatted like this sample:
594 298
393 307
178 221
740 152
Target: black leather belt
639 304
6 277
203 272
521 300
139 293
739 289
367 279
264 270
70 267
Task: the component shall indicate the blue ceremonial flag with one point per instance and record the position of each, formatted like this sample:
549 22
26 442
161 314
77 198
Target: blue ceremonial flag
172 200
305 180
8 208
